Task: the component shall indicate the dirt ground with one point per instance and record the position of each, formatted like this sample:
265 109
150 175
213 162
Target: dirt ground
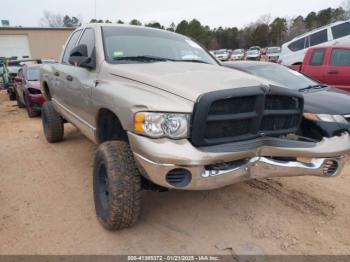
47 206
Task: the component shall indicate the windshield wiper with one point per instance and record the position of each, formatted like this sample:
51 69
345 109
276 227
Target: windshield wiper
192 61
318 86
142 58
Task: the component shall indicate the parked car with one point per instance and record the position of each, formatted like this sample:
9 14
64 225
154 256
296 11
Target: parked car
273 53
4 75
293 52
27 88
222 54
329 65
13 71
327 109
237 54
164 121
254 53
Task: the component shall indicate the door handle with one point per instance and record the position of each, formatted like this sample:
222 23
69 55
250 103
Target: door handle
333 72
57 74
69 78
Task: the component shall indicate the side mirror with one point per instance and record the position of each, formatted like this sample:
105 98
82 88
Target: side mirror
79 57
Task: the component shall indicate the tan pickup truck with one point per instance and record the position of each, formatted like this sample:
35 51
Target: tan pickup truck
168 116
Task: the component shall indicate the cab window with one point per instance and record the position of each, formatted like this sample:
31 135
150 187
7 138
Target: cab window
317 57
70 45
340 57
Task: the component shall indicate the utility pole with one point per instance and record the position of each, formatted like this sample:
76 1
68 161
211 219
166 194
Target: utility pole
95 9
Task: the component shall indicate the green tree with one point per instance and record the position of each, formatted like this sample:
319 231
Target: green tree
155 25
135 22
172 27
260 35
311 21
182 27
324 17
278 29
297 27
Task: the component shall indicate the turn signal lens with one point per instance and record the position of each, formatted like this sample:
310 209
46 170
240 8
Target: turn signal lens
138 123
311 116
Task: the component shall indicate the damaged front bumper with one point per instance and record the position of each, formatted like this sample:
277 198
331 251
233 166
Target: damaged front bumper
178 164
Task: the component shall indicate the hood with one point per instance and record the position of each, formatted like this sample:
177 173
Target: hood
327 101
274 54
253 52
188 80
33 84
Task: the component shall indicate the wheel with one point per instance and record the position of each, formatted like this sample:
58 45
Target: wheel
52 123
117 186
12 95
19 102
31 112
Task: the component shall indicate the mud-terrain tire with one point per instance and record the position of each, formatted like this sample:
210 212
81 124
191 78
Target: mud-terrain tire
19 102
52 123
12 95
31 112
117 186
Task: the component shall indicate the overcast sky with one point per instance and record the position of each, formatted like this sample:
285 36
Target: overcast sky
213 13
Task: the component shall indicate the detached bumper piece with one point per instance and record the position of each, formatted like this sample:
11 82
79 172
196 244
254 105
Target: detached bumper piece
179 165
217 176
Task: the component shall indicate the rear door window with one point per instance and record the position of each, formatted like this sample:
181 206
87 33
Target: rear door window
318 38
317 57
297 45
70 45
341 30
340 57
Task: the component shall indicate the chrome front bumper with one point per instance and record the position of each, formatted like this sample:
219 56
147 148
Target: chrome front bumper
157 158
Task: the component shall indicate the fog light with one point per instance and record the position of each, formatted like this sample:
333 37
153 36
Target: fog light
179 177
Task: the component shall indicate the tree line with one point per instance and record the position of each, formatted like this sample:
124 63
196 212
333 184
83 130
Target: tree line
264 32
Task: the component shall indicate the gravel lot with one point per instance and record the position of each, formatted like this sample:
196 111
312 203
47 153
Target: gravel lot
47 206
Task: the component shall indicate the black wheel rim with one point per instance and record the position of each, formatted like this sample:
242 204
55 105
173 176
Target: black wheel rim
103 187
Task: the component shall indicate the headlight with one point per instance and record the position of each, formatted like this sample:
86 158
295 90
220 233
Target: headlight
157 125
326 118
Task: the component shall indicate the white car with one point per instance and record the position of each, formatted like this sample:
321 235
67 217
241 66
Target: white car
273 53
222 54
237 54
293 52
254 53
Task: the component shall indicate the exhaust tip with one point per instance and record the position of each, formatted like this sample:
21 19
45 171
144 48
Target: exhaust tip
330 168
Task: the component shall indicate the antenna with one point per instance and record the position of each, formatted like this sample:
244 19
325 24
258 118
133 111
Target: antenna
95 9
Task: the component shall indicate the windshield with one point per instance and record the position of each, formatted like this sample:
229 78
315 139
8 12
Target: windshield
14 69
271 50
123 43
282 75
237 52
254 49
33 74
221 52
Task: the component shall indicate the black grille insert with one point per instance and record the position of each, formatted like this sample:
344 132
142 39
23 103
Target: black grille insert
245 113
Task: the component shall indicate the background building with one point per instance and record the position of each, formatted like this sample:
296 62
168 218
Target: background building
22 42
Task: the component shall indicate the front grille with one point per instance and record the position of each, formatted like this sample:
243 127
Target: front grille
245 113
